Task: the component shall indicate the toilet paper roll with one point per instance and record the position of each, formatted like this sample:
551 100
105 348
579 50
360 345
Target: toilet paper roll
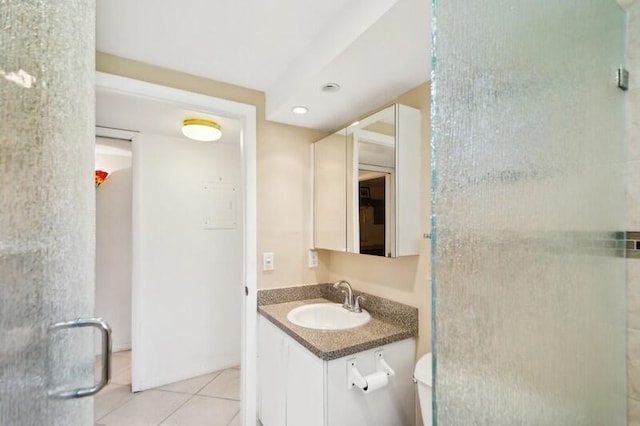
375 381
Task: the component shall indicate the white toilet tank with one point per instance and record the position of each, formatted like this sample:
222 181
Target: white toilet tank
422 375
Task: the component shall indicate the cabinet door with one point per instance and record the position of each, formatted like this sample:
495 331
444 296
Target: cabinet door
271 374
305 387
408 181
330 174
392 405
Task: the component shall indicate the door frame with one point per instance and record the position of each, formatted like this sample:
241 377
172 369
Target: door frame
246 114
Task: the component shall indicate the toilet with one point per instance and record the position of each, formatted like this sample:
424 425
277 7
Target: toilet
422 376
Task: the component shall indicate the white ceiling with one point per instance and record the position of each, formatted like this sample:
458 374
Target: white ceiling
138 114
375 49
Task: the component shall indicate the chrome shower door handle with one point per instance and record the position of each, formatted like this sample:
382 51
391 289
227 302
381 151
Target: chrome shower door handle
104 328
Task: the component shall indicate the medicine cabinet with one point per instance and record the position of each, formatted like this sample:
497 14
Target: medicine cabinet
367 183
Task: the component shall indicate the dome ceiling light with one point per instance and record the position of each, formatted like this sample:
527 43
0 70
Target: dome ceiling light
200 129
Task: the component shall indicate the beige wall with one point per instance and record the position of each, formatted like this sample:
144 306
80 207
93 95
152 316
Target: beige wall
284 206
406 279
283 158
633 199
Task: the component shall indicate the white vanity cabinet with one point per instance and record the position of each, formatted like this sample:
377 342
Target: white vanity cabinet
296 388
271 375
290 378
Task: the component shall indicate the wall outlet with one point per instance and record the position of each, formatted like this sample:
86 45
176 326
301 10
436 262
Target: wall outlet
313 259
267 262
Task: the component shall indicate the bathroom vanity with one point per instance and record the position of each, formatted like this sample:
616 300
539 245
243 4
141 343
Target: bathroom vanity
306 376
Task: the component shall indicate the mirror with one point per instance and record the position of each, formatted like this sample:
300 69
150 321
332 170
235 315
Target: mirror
372 142
366 185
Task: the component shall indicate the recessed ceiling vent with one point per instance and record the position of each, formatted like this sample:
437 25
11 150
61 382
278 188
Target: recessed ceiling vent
330 87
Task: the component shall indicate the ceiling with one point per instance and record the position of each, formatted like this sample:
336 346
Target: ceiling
132 113
374 49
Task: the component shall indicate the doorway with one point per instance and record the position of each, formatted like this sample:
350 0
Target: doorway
176 178
374 202
113 236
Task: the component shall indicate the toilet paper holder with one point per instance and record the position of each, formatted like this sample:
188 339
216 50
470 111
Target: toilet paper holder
356 379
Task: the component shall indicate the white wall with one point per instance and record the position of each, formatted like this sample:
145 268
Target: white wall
113 241
187 279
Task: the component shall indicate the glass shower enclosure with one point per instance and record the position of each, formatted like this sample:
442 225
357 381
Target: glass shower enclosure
47 229
529 212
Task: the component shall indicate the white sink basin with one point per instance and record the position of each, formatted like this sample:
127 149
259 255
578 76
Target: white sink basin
327 316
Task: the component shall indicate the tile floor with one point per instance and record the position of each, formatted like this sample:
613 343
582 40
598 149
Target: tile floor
211 400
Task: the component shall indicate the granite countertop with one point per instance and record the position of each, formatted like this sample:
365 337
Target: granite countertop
331 344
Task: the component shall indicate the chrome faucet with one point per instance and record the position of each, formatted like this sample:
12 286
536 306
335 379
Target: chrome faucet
348 295
349 303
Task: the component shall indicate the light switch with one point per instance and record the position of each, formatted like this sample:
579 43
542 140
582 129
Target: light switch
313 259
267 262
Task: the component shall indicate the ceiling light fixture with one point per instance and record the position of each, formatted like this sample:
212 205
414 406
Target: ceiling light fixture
355 123
200 129
300 110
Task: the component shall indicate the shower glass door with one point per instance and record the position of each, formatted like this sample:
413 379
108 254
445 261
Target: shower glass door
47 210
528 208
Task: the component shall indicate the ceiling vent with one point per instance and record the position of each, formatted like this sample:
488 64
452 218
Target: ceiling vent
330 87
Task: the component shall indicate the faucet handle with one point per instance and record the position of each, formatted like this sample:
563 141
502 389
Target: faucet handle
356 304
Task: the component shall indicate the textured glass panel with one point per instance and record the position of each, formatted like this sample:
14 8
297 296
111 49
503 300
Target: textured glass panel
528 196
47 211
